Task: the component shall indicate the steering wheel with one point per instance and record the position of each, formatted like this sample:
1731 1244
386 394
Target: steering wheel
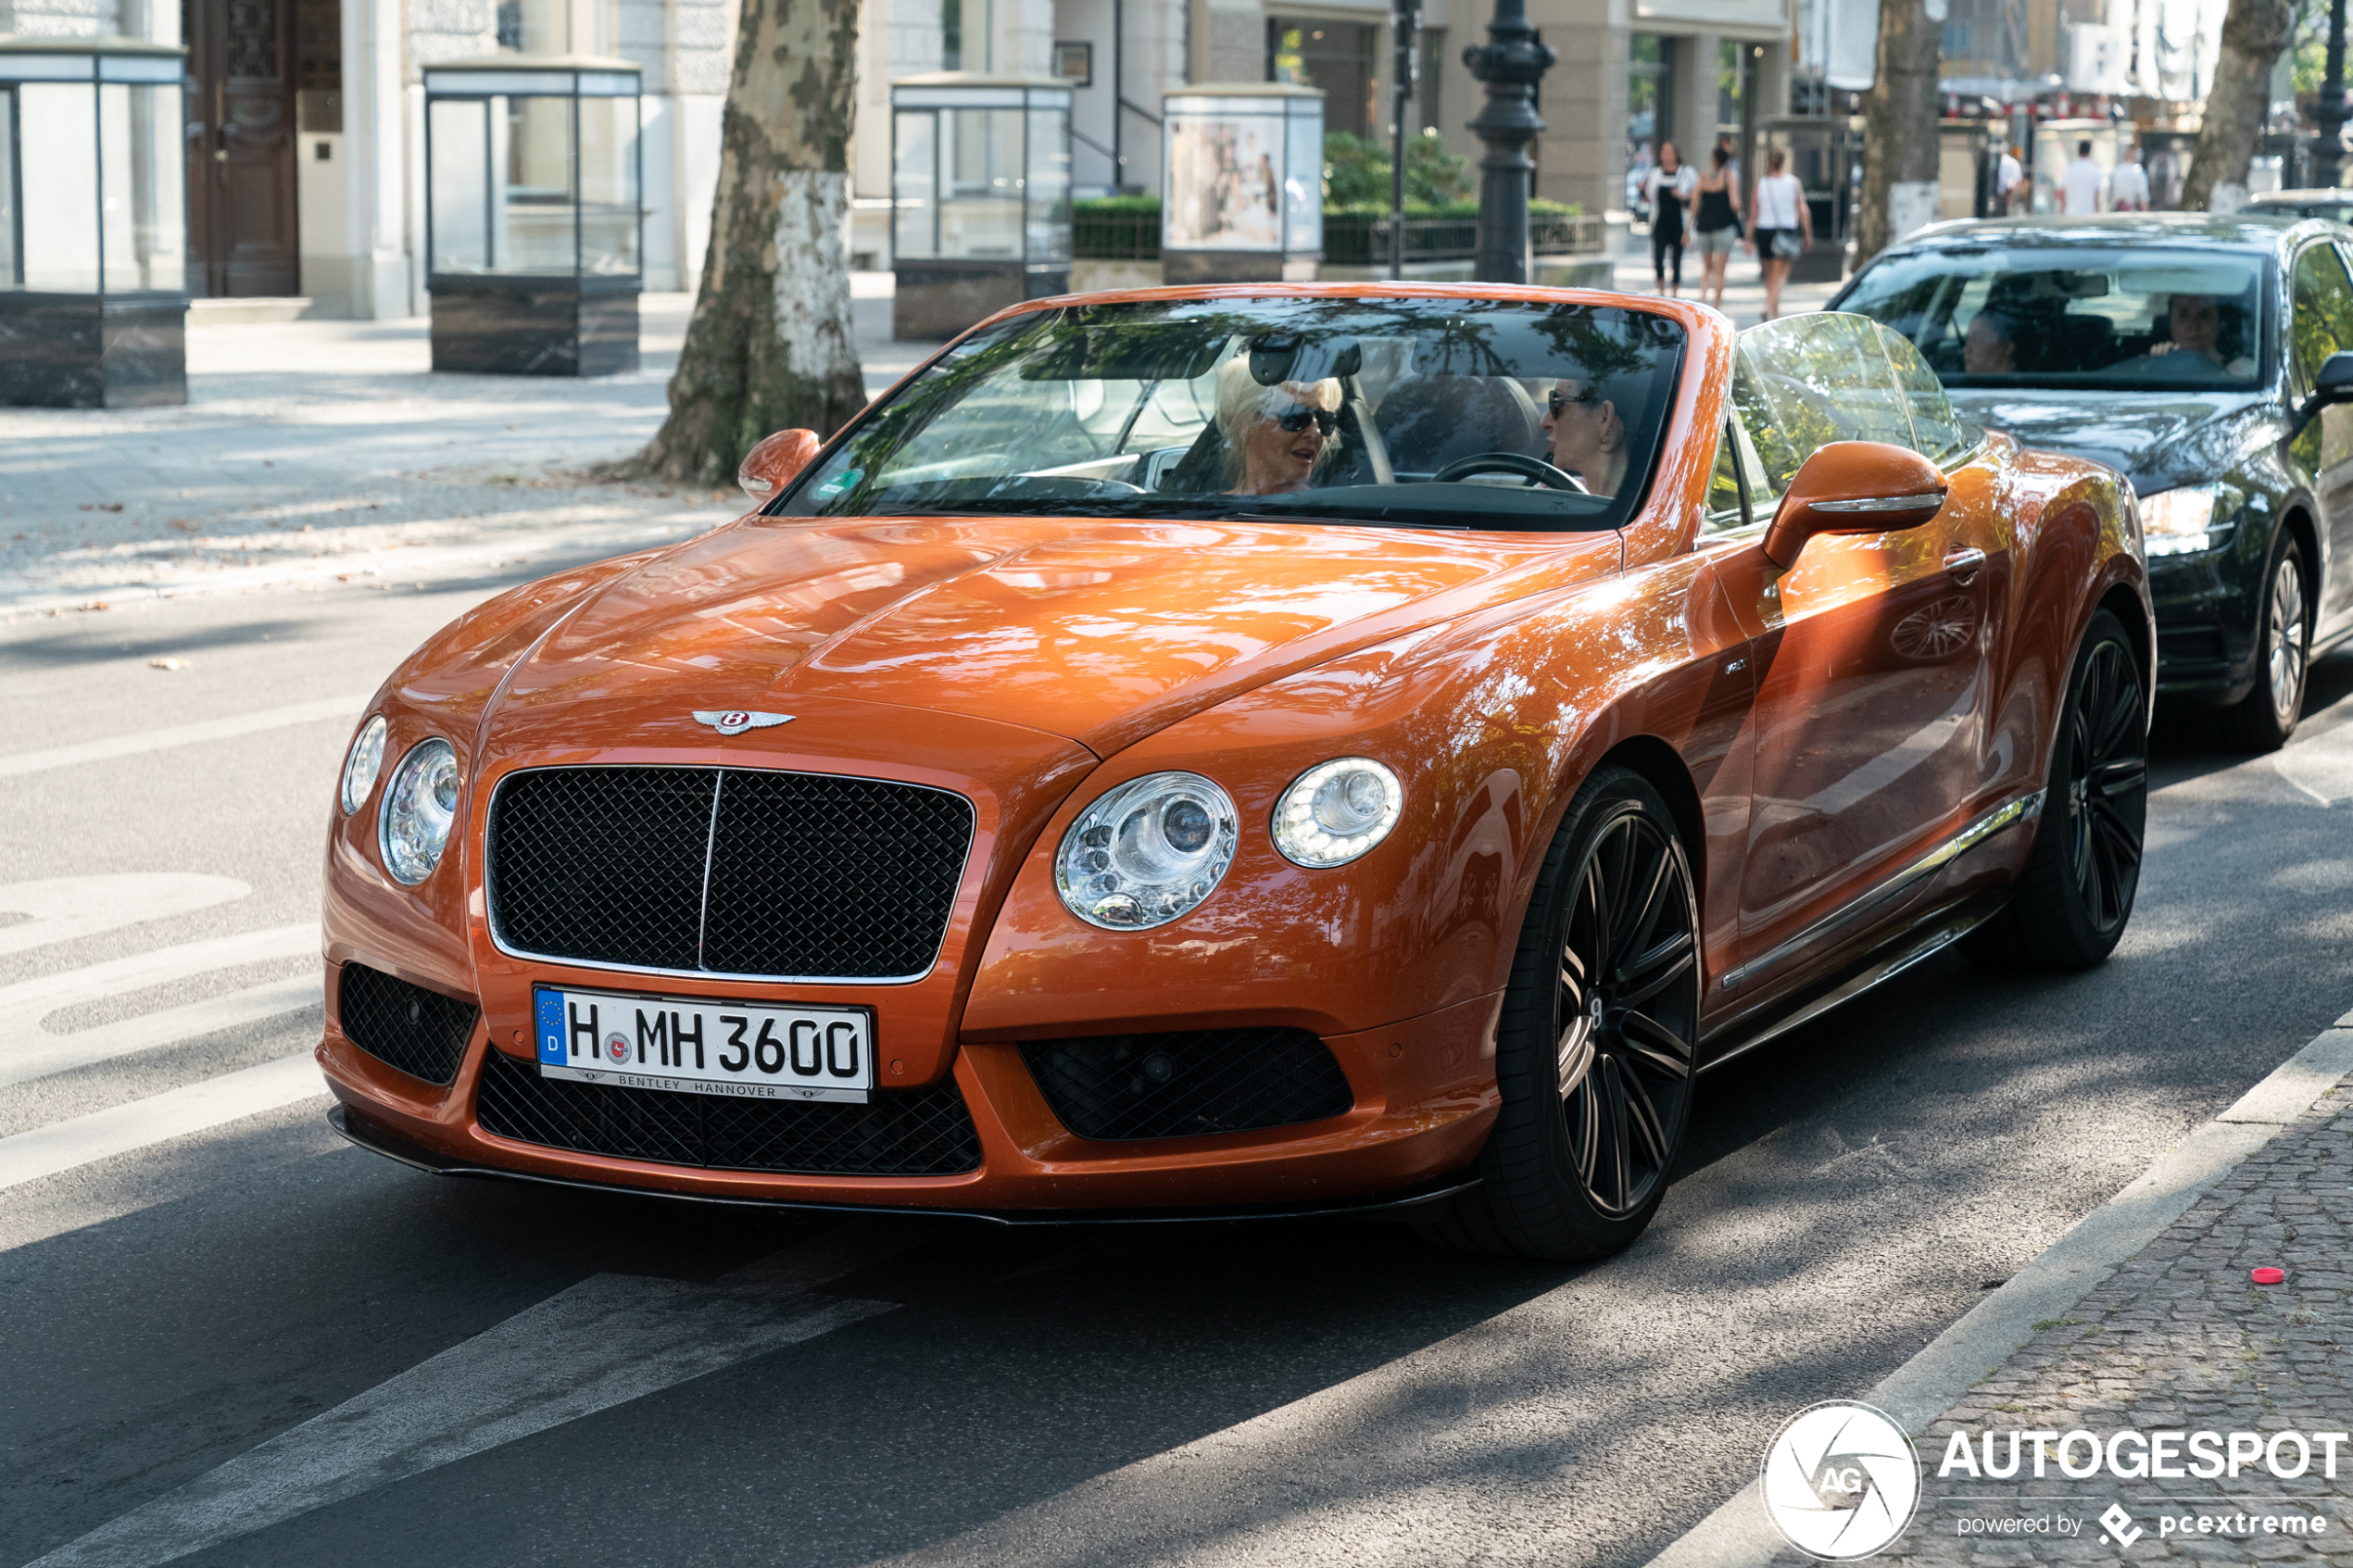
1535 469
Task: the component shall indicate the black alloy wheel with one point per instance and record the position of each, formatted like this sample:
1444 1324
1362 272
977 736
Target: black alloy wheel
1599 1037
2263 719
2076 892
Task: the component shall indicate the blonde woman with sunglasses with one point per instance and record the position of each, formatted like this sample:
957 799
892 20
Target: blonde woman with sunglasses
1275 436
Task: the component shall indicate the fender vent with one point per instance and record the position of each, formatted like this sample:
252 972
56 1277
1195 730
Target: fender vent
1179 1086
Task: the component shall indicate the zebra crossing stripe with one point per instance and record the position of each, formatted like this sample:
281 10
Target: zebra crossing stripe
193 1108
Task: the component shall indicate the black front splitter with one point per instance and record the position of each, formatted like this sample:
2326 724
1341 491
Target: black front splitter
377 1140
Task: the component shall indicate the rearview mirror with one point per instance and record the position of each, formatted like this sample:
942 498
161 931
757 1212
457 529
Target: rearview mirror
773 464
1854 487
2333 385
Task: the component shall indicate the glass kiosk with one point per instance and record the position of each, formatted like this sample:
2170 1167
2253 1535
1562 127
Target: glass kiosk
533 215
94 224
1244 172
980 197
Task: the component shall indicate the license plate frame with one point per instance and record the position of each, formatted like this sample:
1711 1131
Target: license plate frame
654 1033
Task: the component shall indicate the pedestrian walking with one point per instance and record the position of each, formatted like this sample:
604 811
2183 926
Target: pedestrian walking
2128 187
1670 185
2080 183
1716 223
1783 226
2009 178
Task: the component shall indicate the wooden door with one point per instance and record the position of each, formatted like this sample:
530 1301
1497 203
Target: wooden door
242 229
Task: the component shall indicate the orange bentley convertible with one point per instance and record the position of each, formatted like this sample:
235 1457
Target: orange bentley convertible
1247 750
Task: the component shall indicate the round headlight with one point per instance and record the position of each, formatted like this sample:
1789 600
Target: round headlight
1337 811
419 804
365 762
1146 853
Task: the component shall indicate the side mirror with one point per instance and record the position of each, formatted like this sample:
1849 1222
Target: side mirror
1854 487
2333 385
771 466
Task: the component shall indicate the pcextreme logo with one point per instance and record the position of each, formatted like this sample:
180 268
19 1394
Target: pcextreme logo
1841 1481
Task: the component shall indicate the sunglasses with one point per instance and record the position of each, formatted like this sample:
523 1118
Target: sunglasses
1555 400
1299 416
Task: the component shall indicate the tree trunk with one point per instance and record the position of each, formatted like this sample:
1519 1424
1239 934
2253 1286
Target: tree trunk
2253 32
770 345
1899 137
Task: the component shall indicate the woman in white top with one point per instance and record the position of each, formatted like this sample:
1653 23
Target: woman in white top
1783 226
1669 186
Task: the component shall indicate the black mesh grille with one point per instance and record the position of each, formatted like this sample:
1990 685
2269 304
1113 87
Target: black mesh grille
1181 1086
603 864
916 1133
422 1033
811 875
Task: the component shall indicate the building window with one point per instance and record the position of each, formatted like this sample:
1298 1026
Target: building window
1340 58
1074 63
952 34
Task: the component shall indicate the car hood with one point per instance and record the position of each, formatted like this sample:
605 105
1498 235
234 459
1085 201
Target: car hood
2158 440
1099 631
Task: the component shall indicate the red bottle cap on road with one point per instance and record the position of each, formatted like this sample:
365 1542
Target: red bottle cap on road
2268 1276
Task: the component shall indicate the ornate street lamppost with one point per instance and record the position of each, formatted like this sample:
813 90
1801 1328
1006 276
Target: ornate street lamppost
2328 155
1511 62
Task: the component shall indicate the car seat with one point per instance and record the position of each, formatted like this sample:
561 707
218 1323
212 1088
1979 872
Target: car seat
1432 421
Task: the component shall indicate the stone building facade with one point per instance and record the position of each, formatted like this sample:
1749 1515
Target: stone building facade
307 117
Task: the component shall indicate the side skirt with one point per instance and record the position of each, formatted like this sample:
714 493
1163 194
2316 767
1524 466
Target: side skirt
1932 935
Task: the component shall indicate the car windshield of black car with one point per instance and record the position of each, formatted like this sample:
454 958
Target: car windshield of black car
2159 320
1438 411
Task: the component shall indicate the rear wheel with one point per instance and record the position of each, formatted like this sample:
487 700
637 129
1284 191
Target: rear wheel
2264 719
2076 894
1595 1049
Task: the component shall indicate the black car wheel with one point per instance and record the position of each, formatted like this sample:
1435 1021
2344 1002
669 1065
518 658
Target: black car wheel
2267 716
2076 892
1599 1033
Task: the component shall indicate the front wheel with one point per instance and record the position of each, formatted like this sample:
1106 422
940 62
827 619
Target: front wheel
1600 1029
2076 892
2263 719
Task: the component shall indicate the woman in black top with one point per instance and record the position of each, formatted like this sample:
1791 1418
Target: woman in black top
1670 185
1718 223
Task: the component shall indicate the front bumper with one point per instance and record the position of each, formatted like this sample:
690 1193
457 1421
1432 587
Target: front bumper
2207 607
1423 1094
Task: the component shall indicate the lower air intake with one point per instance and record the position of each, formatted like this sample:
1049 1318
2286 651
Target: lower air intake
1120 1087
910 1133
421 1032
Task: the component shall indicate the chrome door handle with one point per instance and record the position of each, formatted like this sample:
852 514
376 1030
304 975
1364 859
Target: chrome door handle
1964 565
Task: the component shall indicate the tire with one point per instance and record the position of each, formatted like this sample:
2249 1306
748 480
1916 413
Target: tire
2076 894
2263 719
1594 1054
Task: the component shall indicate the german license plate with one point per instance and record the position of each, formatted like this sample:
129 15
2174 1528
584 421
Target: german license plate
695 1045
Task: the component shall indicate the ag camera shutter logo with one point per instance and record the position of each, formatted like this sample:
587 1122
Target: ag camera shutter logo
1841 1481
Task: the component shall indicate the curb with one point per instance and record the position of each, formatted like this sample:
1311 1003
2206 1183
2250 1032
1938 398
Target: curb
1738 1534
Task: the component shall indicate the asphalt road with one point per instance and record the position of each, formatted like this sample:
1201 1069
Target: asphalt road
468 1372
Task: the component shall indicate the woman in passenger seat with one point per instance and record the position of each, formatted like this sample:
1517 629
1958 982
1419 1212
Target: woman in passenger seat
1275 436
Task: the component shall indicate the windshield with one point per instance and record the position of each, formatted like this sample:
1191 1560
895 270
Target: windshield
1465 413
2155 319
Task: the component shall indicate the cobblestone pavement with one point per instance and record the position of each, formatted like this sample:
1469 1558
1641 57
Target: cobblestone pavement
2180 1339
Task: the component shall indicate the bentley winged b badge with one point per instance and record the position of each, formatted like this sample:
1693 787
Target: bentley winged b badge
734 721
